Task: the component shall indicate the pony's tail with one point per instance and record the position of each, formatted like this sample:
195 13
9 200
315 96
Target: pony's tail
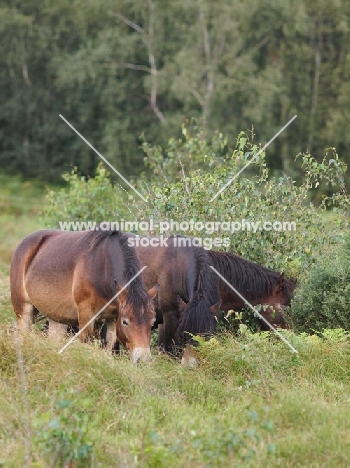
197 318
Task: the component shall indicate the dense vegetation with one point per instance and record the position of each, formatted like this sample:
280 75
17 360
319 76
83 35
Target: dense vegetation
189 171
323 300
117 69
249 403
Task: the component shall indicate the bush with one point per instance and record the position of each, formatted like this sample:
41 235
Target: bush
191 170
323 299
94 199
62 438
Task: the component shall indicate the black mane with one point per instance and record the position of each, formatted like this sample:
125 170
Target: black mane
137 297
197 318
252 279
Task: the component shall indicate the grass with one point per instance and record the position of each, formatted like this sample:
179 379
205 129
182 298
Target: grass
18 196
20 204
249 403
12 230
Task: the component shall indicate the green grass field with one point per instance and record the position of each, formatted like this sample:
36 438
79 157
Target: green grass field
249 403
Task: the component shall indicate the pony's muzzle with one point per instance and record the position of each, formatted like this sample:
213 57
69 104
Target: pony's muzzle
140 354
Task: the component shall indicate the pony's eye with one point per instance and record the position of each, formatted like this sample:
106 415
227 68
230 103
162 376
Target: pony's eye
125 322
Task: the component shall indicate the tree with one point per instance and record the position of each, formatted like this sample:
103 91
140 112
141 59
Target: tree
116 70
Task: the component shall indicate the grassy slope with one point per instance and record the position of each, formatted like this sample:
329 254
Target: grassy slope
250 403
163 415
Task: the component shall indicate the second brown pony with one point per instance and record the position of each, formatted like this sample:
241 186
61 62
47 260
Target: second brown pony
183 273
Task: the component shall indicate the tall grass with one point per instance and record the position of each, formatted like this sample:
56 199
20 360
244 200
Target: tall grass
249 403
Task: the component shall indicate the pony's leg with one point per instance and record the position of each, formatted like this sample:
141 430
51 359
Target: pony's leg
25 318
166 337
161 338
57 330
111 334
85 314
103 335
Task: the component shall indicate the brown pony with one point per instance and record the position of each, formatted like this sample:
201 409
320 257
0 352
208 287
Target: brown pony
256 283
70 276
183 273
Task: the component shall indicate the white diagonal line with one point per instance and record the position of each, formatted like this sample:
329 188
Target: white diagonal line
254 310
103 158
249 162
100 311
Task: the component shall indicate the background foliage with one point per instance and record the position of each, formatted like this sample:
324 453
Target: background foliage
255 196
190 170
323 300
116 69
85 199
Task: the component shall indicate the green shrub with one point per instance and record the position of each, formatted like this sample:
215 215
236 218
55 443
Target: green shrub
191 170
323 298
94 199
62 437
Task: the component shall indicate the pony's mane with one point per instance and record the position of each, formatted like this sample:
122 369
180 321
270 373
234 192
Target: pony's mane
247 276
206 283
197 318
95 237
136 297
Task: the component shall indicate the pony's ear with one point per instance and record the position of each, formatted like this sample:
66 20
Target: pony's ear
122 296
153 291
181 303
280 282
215 309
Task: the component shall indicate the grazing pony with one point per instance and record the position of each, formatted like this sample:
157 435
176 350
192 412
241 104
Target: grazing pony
183 274
70 276
256 283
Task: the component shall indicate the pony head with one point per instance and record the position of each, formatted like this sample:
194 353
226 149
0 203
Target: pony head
135 320
278 300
